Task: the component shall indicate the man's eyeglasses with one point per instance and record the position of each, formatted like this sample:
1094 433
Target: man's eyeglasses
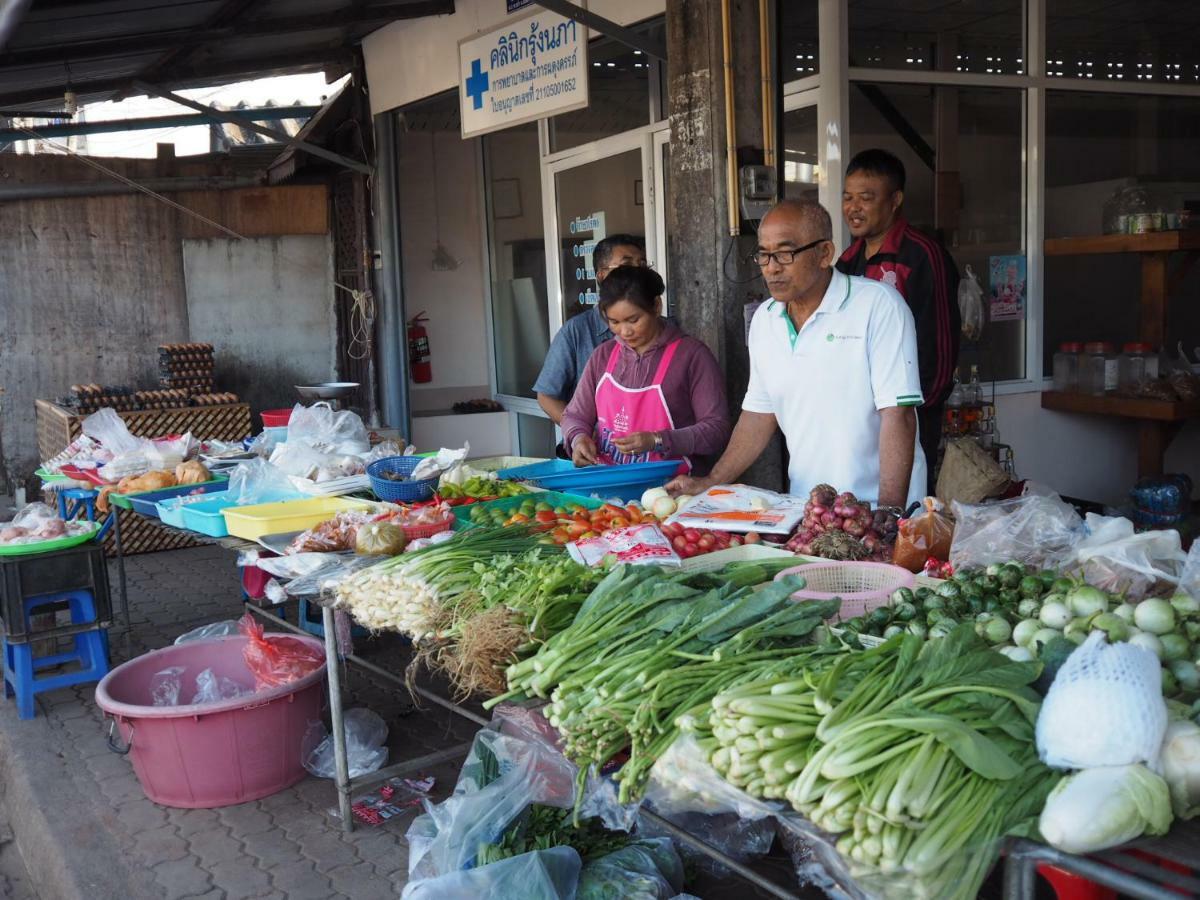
762 258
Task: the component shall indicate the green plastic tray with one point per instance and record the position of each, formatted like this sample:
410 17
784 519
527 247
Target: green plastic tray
61 543
122 500
462 514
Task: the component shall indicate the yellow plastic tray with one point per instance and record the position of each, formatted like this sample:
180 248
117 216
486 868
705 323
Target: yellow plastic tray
252 522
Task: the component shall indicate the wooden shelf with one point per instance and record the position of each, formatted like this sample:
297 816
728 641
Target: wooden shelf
1123 407
1155 242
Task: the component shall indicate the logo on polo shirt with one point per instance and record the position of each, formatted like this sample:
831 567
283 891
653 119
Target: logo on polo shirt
831 337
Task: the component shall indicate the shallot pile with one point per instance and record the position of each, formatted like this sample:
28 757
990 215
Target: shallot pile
840 526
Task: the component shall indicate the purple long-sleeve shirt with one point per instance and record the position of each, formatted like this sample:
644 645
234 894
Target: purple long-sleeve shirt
694 388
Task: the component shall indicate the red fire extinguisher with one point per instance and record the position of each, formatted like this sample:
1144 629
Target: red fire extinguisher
418 349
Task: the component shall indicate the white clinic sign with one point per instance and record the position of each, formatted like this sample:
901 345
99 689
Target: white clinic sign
527 69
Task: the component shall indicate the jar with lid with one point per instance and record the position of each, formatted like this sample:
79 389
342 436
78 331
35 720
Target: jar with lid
1066 366
1138 364
1100 373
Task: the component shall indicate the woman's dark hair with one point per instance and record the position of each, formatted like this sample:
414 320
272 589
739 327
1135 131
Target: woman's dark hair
640 285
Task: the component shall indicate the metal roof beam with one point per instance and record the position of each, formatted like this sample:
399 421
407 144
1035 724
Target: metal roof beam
607 27
222 115
186 39
265 114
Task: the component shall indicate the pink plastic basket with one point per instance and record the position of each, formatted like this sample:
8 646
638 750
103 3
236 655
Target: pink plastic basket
861 586
416 532
211 754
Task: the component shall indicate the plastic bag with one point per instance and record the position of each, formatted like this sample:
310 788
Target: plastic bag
338 433
1105 708
327 578
296 565
645 870
380 539
257 481
276 660
334 535
211 689
970 305
366 735
1114 558
304 461
925 534
383 451
682 781
110 430
643 544
1033 529
740 507
211 630
1105 807
166 685
1189 581
433 466
502 775
539 875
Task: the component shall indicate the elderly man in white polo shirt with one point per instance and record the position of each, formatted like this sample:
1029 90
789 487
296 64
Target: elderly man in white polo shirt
833 365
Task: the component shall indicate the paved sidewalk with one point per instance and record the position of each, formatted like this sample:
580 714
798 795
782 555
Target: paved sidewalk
85 829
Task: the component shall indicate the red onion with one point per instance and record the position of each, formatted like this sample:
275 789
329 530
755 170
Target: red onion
853 528
829 518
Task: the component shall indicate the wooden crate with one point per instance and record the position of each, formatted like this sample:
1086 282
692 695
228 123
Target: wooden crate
58 426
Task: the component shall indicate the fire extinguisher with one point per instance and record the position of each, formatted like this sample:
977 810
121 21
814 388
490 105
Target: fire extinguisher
418 349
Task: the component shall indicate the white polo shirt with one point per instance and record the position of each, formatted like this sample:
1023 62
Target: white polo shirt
825 384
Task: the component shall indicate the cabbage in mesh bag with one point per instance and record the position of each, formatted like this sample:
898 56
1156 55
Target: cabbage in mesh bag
1105 708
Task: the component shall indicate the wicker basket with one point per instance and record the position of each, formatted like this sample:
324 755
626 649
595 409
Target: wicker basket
861 586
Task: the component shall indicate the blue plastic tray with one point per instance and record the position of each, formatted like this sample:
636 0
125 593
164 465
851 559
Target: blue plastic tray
605 482
537 470
206 516
146 503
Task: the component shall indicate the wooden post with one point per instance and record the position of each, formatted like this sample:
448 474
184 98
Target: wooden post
1154 298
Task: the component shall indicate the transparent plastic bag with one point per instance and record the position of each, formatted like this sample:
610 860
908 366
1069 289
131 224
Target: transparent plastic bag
1105 708
211 689
647 869
276 660
682 781
110 430
366 736
165 686
539 875
502 775
1189 581
1114 558
327 578
318 426
211 630
738 838
970 305
1034 529
256 481
925 534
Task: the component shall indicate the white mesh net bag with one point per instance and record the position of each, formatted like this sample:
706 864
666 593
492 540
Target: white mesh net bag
1105 708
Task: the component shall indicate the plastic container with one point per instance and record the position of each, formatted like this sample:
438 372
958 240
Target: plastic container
1099 369
501 463
537 470
76 568
861 586
418 532
1066 367
403 491
462 514
206 515
275 418
604 482
1138 364
149 498
210 754
252 522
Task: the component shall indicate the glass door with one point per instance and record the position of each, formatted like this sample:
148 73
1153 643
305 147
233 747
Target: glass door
799 171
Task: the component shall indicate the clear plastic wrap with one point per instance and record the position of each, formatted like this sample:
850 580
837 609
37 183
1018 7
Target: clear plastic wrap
1034 529
648 869
213 689
539 875
1189 582
366 750
1114 558
211 630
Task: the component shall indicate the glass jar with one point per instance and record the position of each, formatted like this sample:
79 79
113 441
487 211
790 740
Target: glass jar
1101 364
1138 364
1066 366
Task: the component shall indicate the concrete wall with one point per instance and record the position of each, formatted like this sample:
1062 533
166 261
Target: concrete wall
265 305
412 59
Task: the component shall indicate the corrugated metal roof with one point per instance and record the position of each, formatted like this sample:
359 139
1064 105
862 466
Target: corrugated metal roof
99 47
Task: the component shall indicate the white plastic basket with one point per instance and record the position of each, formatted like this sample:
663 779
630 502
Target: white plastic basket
861 586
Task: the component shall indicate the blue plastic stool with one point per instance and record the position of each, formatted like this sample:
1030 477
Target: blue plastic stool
90 651
74 500
312 621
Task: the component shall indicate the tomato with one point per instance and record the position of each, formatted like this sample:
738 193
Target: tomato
753 538
691 534
589 534
611 510
546 517
575 531
634 514
707 542
690 549
679 542
581 519
560 535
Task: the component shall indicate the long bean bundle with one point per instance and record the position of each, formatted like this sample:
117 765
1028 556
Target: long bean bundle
648 647
921 757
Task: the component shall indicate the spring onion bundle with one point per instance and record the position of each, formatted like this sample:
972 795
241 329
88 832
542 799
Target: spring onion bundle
921 757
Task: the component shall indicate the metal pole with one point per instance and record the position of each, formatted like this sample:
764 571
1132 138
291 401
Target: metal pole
336 721
390 322
116 514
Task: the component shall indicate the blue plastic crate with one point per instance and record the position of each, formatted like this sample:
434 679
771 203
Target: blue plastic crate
537 470
611 482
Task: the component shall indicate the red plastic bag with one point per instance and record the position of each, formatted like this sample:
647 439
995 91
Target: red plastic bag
927 534
276 660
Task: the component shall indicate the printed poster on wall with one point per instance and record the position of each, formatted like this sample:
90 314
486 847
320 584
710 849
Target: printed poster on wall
524 70
1006 280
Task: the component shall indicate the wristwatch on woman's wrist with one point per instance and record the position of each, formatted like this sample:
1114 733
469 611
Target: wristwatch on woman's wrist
658 440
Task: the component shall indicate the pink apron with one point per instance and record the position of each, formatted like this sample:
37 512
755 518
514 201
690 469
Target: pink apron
623 410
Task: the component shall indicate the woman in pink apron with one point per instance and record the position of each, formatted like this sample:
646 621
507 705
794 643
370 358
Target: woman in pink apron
651 393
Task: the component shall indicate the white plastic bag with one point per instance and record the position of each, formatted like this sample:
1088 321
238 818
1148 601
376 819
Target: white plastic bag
256 481
1114 558
643 544
1105 708
1034 529
740 507
433 466
366 734
1189 581
538 875
110 430
166 685
1105 807
318 426
213 689
683 781
970 304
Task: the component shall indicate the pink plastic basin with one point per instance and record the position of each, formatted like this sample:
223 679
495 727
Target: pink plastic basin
211 754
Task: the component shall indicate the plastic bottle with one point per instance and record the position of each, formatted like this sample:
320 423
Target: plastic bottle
1101 366
954 403
1135 367
1066 366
